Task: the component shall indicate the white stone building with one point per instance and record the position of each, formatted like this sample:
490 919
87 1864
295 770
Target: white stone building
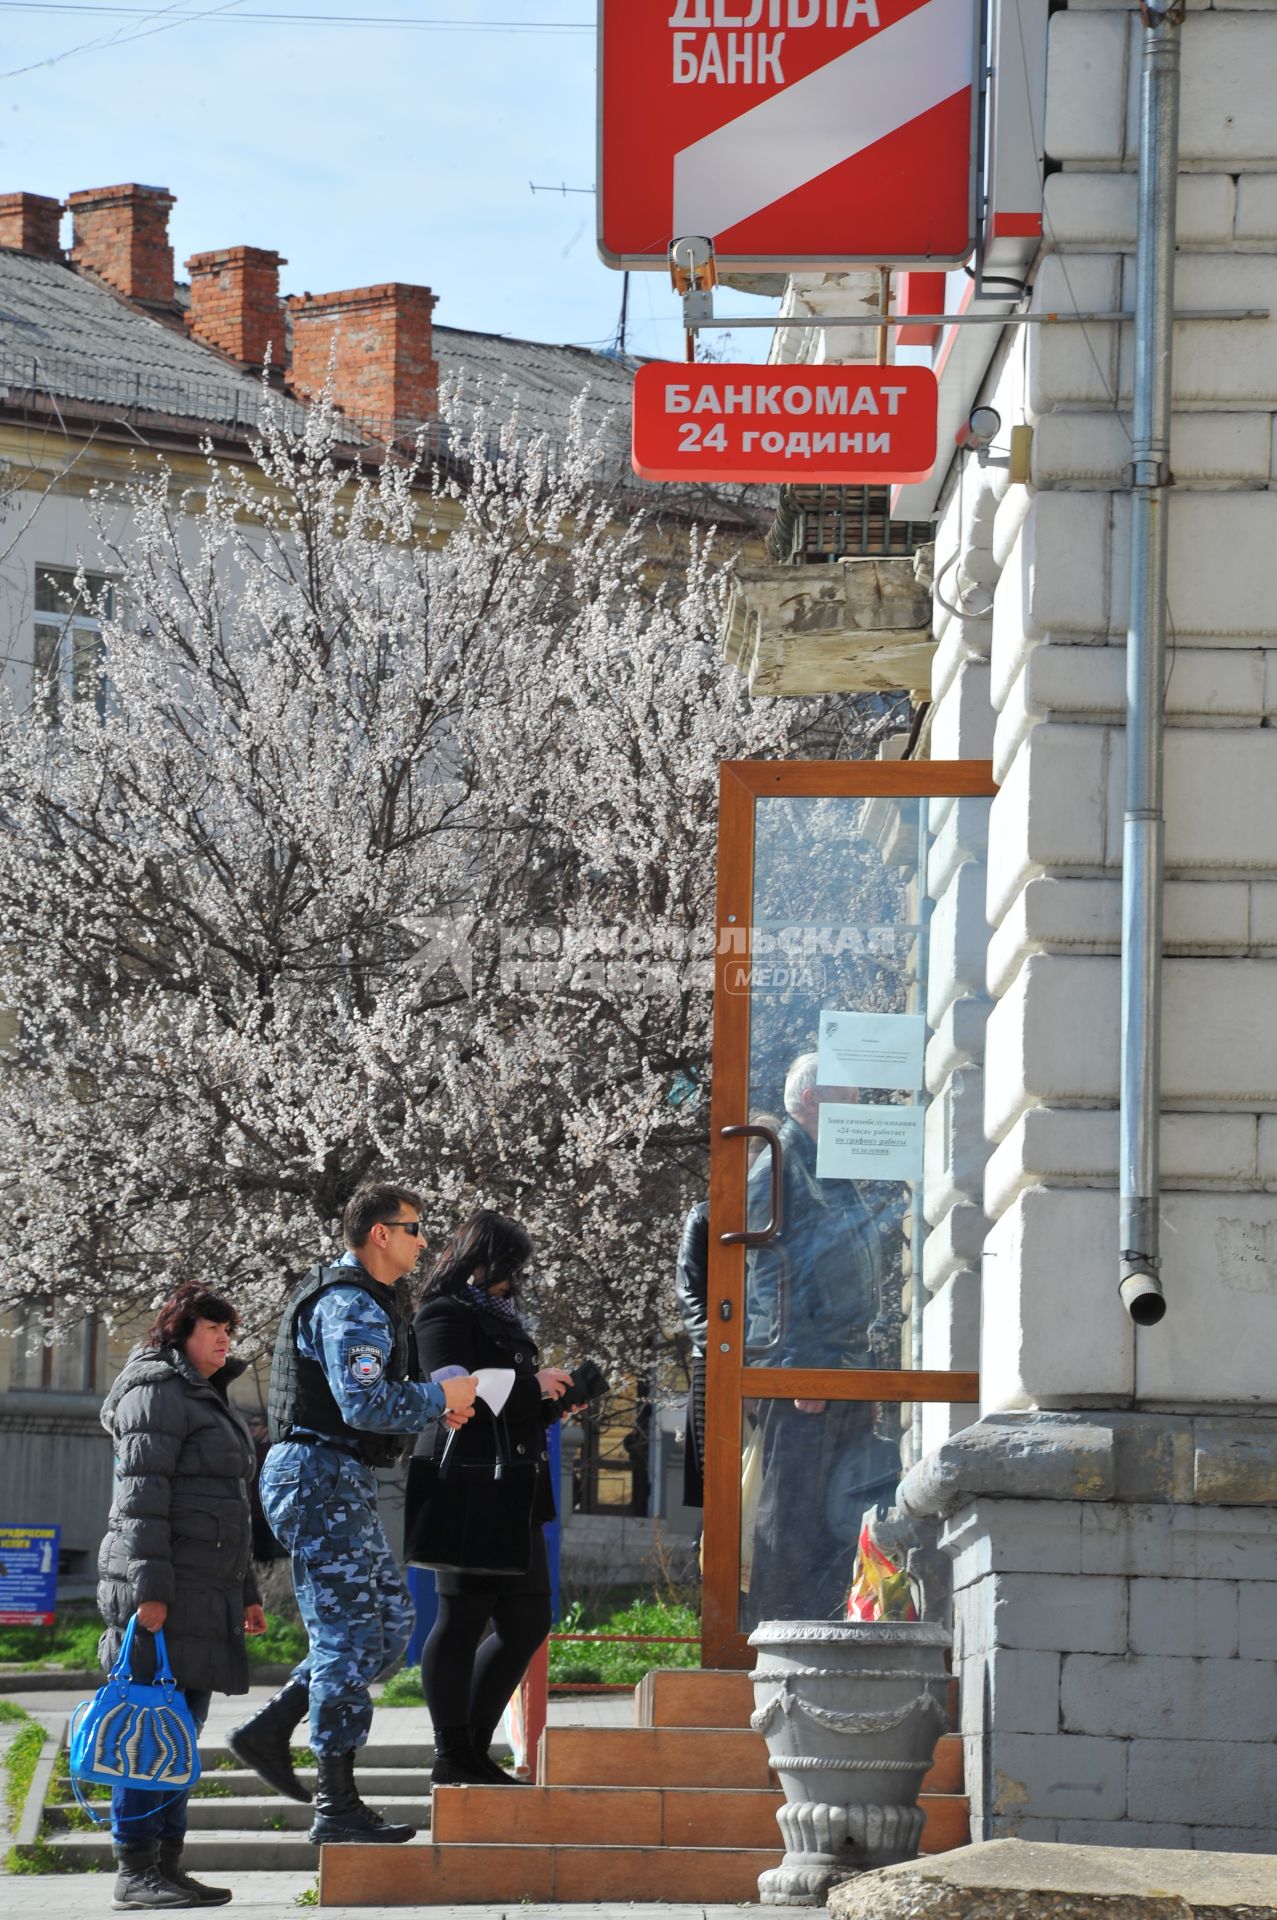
1112 1510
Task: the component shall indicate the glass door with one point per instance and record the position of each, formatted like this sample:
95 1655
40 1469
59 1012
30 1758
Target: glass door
815 1381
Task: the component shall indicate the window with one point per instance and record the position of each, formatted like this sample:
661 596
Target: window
68 639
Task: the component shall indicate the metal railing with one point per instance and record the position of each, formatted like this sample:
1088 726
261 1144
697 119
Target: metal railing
54 382
817 524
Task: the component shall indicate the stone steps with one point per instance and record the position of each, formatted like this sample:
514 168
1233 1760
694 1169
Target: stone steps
458 1875
217 1758
647 1816
688 1757
206 1853
680 1807
243 1827
265 1813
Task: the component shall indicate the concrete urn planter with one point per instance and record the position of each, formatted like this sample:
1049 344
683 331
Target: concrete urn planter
851 1714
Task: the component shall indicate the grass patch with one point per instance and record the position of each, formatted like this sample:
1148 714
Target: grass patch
308 1897
403 1689
71 1642
594 1662
42 1858
91 1789
11 1714
68 1815
19 1765
589 1662
284 1643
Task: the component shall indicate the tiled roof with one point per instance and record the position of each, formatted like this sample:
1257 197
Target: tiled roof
67 339
542 380
64 335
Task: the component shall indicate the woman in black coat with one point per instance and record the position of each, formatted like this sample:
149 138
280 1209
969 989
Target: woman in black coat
468 1319
177 1553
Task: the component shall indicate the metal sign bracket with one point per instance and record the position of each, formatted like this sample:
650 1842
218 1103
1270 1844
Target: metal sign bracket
779 323
693 276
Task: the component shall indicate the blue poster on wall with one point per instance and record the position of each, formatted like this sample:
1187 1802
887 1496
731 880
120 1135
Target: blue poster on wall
28 1576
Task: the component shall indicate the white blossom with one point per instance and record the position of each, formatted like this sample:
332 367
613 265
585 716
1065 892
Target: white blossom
350 718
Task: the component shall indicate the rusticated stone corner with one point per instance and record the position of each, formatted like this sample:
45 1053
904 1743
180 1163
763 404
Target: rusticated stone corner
1034 1880
1042 1456
1153 1458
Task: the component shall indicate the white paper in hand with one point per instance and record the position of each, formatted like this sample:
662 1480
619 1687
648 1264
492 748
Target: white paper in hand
494 1386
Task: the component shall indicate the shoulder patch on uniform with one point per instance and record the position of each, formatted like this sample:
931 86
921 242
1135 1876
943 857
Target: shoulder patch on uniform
367 1364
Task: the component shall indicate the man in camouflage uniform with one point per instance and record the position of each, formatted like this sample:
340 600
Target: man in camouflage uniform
345 1398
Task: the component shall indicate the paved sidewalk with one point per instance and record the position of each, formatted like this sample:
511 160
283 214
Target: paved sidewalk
388 1723
273 1896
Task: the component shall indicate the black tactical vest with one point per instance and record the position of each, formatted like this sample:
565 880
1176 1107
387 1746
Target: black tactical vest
300 1395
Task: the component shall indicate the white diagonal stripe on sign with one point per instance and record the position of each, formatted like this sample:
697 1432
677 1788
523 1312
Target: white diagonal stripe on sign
872 90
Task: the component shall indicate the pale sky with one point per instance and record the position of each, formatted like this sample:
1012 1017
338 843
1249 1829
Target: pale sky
361 152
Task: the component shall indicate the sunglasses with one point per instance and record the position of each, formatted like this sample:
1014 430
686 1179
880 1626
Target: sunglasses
414 1227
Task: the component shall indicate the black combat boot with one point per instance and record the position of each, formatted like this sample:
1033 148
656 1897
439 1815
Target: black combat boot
456 1764
139 1884
262 1743
341 1818
494 1775
171 1868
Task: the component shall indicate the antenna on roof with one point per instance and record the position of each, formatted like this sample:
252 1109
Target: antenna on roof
622 328
561 189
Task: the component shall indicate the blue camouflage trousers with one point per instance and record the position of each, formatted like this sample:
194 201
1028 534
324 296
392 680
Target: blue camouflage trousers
321 1505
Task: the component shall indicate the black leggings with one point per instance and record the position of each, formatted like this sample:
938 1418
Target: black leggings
468 1684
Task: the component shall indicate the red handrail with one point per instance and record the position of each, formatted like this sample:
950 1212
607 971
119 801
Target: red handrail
670 1639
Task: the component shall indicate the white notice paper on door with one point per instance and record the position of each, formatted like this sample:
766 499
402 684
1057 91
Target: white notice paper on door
870 1049
869 1143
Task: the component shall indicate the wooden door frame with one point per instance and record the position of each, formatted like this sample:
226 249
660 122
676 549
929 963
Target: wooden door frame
741 783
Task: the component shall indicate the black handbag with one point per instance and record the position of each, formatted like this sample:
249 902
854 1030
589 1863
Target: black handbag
467 1516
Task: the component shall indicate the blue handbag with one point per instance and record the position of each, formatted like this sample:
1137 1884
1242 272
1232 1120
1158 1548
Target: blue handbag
135 1735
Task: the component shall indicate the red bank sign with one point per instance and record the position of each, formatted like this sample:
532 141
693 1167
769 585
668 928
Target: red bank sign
838 425
789 132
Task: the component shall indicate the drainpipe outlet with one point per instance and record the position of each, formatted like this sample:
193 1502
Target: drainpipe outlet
1141 1290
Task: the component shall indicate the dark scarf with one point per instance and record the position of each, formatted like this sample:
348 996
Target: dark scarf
503 1307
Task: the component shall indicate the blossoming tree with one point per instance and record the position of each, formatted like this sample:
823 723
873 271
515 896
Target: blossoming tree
389 848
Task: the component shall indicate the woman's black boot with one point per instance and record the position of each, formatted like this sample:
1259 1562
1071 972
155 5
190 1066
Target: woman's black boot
341 1816
171 1868
494 1775
262 1743
456 1764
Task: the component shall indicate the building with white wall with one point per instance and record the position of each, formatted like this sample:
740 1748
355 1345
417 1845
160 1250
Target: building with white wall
1112 1510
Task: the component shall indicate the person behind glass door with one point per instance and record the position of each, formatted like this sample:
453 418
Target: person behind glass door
691 1290
814 1296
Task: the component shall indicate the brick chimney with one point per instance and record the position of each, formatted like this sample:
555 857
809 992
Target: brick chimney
235 304
121 233
30 223
384 370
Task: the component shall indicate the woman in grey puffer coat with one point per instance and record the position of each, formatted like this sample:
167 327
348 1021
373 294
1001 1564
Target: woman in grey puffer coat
176 1553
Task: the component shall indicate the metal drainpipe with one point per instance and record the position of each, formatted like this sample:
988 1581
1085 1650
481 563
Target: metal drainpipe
918 1231
1142 843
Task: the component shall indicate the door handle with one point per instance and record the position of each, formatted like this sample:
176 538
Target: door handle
761 1236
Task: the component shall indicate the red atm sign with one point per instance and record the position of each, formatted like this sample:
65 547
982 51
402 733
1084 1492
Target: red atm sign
838 425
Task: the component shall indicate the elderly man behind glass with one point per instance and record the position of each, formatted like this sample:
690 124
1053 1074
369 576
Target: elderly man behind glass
814 1298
